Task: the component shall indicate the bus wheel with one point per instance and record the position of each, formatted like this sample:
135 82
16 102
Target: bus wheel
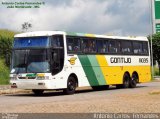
71 86
38 92
133 81
126 81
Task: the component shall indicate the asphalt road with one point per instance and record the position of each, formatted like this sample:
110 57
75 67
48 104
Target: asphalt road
143 99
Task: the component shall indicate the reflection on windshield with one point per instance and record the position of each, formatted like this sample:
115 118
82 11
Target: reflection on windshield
30 61
37 61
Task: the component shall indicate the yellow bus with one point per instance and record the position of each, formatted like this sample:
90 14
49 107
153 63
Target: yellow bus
54 60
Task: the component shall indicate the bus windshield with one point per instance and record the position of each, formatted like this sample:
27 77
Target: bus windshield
30 61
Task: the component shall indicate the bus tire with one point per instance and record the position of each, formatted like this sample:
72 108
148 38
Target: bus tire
126 82
71 86
38 92
133 81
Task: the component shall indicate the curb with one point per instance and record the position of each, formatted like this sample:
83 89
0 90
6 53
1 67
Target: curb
157 78
6 89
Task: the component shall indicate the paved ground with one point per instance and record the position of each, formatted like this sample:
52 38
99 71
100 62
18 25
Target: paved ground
143 99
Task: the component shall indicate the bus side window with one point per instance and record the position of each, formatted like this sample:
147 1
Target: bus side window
145 47
91 45
73 44
99 44
85 47
69 44
112 46
102 45
118 46
126 47
76 45
57 41
137 47
88 45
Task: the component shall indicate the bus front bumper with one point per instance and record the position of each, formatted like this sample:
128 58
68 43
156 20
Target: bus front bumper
37 84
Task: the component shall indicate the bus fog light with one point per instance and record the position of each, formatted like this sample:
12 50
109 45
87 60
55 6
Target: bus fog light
14 85
40 78
41 84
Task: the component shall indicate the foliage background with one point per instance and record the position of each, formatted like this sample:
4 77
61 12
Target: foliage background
156 51
6 40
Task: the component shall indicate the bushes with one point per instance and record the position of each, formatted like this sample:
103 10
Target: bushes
4 72
156 71
6 40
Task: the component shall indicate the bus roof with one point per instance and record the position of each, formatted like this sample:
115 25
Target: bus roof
107 36
49 33
39 33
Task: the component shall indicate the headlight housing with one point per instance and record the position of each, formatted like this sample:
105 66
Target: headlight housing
42 77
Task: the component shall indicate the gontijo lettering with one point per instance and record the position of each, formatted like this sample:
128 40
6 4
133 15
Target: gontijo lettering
120 60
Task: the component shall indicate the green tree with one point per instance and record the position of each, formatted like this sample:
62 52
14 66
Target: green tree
6 40
156 48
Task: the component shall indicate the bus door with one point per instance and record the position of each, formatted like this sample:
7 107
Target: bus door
57 54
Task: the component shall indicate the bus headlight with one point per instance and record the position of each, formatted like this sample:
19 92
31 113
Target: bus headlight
42 77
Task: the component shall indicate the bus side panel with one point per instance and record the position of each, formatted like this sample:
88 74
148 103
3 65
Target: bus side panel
94 70
112 74
144 73
74 66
